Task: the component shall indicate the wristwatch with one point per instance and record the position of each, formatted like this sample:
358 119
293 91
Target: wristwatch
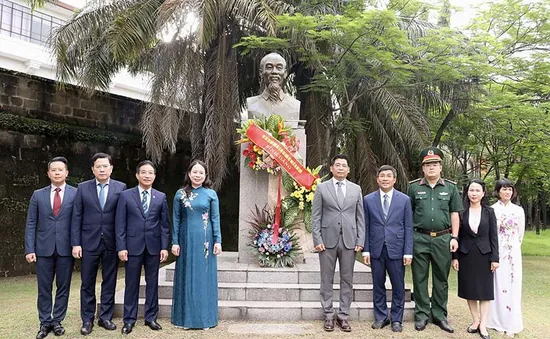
455 238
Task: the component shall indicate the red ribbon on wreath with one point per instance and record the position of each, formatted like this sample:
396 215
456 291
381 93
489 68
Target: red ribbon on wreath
286 160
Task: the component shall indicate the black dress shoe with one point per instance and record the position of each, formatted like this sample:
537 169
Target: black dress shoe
444 325
107 324
329 325
153 325
44 331
58 330
396 326
86 328
344 325
380 324
127 328
420 325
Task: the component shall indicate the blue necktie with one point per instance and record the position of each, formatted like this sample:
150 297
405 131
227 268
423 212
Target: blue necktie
144 202
386 205
102 195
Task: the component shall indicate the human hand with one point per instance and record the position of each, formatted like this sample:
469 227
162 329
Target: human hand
31 257
366 260
176 250
494 266
320 248
454 263
407 261
163 255
123 255
77 252
217 248
454 245
358 248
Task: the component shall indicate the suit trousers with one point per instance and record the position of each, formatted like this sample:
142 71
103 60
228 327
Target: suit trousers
48 268
327 261
151 265
435 251
396 271
109 269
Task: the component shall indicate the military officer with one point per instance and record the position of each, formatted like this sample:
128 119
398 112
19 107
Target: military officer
436 204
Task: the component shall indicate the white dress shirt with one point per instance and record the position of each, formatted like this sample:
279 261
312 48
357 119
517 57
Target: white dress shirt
334 181
148 196
105 189
61 193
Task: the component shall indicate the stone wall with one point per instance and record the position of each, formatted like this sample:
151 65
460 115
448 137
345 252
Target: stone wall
39 121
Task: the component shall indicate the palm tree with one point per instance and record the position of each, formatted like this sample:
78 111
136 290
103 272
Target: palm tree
186 46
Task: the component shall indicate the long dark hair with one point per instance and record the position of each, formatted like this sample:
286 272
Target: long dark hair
484 201
187 181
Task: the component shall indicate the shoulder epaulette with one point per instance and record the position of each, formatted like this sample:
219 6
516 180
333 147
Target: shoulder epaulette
452 182
415 180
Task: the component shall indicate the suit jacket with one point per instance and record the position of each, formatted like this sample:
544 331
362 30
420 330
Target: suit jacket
45 232
135 230
89 221
328 217
486 238
396 231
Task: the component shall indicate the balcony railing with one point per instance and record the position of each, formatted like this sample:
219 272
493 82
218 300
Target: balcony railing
19 22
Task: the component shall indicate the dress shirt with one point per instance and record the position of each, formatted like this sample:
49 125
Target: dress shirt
148 196
334 181
61 193
105 189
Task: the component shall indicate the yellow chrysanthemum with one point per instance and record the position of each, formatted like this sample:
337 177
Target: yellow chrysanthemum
309 197
301 205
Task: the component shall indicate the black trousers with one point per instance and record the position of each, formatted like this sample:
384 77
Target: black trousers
90 266
49 268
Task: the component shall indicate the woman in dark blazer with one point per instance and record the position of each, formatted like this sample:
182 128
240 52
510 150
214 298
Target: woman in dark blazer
477 255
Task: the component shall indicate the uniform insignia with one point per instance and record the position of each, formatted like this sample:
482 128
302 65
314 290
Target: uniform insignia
452 182
415 180
430 152
421 192
443 193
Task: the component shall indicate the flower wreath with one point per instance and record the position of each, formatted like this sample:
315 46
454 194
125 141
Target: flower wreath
300 199
283 252
274 124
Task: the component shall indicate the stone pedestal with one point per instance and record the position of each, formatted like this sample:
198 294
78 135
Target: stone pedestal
258 188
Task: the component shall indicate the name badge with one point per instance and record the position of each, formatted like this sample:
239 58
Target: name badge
420 192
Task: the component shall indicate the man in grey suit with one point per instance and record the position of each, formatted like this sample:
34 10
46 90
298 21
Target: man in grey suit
338 227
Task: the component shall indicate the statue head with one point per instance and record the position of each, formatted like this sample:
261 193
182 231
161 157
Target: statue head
273 74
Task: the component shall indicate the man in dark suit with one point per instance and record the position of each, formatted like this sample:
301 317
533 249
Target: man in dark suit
93 240
48 243
142 229
388 246
338 229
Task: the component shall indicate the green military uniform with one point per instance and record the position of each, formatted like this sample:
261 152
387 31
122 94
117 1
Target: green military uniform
432 207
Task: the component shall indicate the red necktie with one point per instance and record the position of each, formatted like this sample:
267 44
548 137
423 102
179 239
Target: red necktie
56 202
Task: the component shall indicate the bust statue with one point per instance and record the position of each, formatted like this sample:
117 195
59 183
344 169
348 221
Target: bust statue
273 99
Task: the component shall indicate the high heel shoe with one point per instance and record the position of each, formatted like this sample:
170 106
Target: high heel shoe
484 336
470 329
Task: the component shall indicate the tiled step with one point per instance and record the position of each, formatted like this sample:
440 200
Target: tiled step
270 310
276 292
300 274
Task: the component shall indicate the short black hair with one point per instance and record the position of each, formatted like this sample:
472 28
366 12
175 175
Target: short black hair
101 156
387 168
146 162
338 156
504 182
59 159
